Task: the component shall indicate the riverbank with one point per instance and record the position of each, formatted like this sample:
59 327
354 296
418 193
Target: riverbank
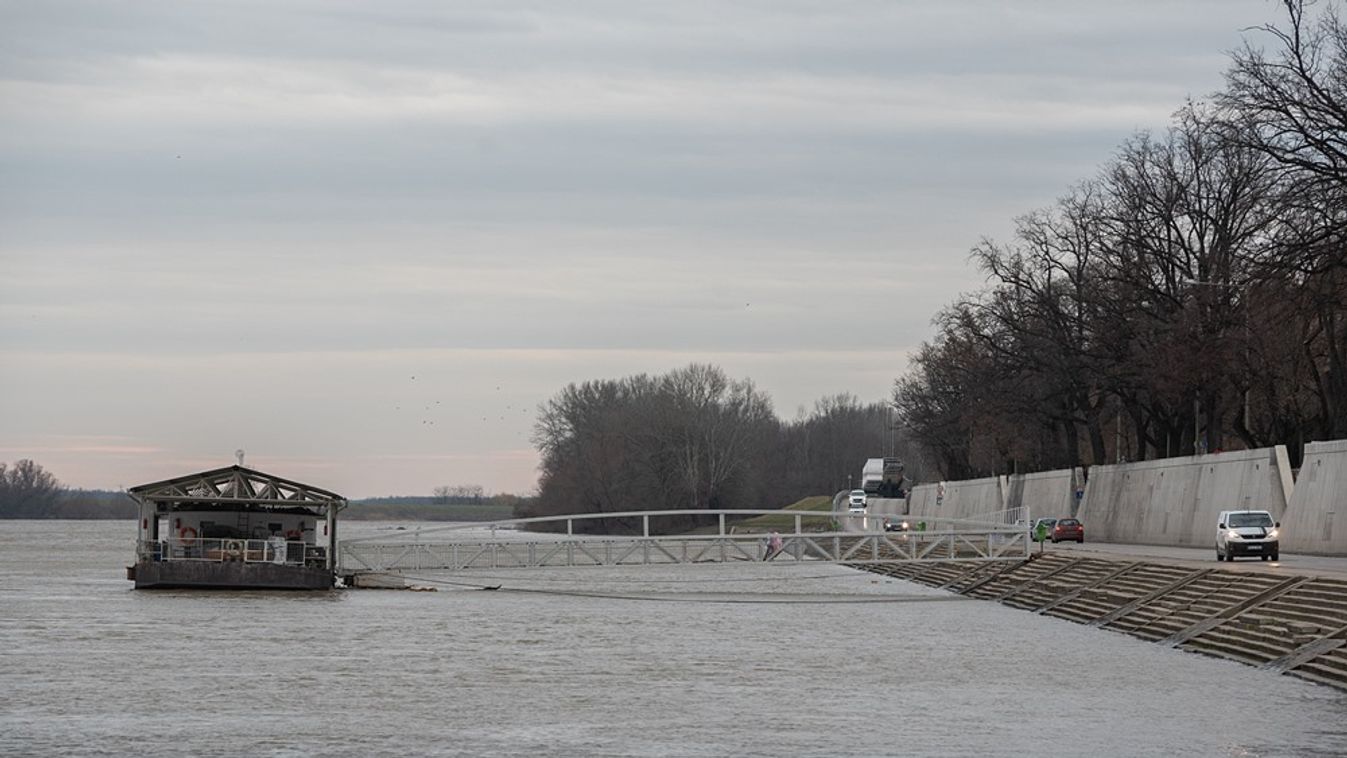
1285 623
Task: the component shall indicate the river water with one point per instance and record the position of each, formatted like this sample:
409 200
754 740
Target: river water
743 660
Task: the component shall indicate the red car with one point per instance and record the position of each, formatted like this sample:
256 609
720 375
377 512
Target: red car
1068 529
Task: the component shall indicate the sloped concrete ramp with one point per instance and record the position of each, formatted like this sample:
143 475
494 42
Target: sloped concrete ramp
1316 518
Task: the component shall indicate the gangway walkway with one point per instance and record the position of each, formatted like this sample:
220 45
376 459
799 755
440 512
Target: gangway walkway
816 537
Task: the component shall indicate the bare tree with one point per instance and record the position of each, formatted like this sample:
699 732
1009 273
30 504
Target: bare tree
27 490
459 493
1291 104
693 439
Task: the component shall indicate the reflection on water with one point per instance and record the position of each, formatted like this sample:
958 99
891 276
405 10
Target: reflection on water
748 659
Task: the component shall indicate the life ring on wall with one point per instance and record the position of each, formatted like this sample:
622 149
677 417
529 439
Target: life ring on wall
187 536
233 550
294 535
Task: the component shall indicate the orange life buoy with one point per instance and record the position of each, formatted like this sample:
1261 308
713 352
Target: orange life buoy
294 535
233 550
187 536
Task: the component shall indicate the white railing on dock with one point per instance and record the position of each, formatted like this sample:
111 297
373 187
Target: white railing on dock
226 550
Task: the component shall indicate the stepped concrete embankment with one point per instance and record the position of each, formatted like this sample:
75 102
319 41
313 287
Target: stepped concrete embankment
1274 619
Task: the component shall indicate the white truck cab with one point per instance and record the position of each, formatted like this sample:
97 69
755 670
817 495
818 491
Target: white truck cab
1247 533
856 502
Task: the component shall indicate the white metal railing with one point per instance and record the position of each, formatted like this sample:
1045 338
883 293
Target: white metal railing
220 550
840 538
817 521
559 551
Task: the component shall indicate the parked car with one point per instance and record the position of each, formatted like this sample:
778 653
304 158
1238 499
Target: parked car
1247 533
1046 531
1068 529
856 502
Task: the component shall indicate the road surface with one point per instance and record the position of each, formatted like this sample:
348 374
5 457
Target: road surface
1307 565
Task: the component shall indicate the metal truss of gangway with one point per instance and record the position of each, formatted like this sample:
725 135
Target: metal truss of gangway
531 543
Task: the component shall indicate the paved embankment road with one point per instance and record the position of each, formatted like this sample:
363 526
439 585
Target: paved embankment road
1290 564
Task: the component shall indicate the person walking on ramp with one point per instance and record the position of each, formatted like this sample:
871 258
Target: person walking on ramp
773 547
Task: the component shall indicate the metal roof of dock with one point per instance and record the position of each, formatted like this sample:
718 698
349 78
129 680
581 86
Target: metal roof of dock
235 485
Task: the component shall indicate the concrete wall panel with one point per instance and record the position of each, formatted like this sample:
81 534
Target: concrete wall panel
960 500
1316 519
1046 493
1175 501
923 500
973 497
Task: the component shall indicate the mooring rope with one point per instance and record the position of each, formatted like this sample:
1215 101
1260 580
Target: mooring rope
636 580
693 597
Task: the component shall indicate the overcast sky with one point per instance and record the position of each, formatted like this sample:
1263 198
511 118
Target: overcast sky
363 241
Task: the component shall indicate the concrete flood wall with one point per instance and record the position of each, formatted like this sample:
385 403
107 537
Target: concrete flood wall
955 500
1316 518
921 500
1046 493
1176 501
1173 501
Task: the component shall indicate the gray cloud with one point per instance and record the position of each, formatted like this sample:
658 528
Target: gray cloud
210 200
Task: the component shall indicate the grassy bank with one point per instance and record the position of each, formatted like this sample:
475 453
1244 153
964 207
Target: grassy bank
783 521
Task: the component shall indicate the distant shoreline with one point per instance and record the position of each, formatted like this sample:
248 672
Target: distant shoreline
353 512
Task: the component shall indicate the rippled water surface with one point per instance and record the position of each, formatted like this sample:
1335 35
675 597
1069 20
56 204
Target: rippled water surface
744 660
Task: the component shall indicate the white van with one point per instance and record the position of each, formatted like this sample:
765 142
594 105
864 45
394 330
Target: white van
856 502
1247 533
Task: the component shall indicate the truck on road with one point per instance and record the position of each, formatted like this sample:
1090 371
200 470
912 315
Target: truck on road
883 477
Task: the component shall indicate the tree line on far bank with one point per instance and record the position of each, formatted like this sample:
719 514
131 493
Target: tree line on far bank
29 491
1190 297
696 439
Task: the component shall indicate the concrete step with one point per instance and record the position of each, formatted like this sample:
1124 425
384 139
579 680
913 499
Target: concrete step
1080 610
1161 627
971 574
1154 634
1087 590
1335 609
1144 582
1298 632
1334 662
1024 574
1221 649
1330 669
1237 643
1305 612
1321 597
940 575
